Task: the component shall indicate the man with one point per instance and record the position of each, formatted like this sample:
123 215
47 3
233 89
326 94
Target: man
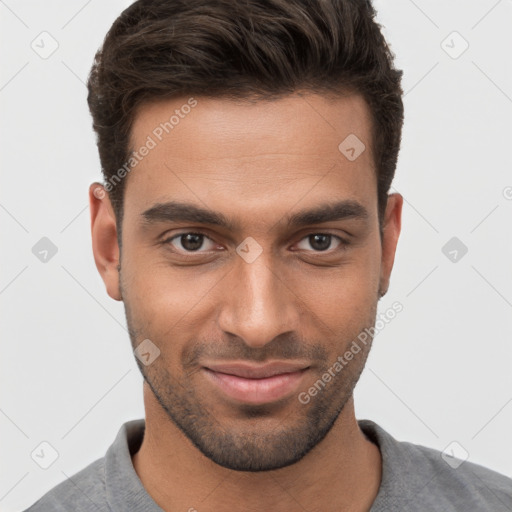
248 149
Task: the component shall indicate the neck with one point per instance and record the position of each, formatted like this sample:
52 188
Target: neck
343 472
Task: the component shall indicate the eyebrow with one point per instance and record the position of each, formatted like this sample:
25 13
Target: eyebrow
175 211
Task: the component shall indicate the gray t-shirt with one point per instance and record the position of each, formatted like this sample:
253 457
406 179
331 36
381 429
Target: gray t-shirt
414 479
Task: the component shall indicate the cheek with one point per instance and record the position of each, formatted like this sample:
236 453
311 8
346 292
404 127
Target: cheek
163 296
343 297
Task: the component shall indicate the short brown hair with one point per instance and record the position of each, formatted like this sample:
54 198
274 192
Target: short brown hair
160 49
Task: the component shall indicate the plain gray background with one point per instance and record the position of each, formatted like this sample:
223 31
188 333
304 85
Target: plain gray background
438 374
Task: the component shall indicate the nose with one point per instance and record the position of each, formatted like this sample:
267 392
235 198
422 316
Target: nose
258 302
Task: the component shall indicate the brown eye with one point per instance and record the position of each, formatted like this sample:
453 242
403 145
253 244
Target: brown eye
191 241
321 242
188 242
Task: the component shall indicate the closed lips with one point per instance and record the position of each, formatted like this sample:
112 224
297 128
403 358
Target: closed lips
257 372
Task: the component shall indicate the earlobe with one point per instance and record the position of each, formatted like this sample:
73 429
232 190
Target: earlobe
104 239
391 233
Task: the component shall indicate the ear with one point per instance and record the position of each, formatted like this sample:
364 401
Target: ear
390 233
104 239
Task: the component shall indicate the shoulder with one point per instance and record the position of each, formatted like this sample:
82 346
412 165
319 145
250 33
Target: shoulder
419 478
461 483
85 491
108 482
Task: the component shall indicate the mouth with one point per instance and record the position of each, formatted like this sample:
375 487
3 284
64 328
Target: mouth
253 384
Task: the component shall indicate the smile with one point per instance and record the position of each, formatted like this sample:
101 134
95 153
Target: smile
255 390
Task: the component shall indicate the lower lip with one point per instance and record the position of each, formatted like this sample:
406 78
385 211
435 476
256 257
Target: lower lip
256 391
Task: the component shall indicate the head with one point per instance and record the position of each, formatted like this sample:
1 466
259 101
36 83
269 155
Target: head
247 150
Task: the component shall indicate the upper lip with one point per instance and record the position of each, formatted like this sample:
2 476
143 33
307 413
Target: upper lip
250 371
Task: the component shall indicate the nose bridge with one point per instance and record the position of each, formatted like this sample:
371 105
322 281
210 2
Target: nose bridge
258 306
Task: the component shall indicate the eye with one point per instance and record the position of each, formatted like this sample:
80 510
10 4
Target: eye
189 242
321 242
192 242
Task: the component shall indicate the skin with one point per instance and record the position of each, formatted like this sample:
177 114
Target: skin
256 164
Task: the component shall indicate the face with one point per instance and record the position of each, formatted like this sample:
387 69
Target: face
249 238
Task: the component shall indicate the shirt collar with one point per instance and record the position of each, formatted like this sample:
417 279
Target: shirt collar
124 487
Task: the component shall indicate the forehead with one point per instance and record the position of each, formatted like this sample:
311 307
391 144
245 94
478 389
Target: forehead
236 155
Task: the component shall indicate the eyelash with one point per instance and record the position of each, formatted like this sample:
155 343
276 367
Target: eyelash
343 243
